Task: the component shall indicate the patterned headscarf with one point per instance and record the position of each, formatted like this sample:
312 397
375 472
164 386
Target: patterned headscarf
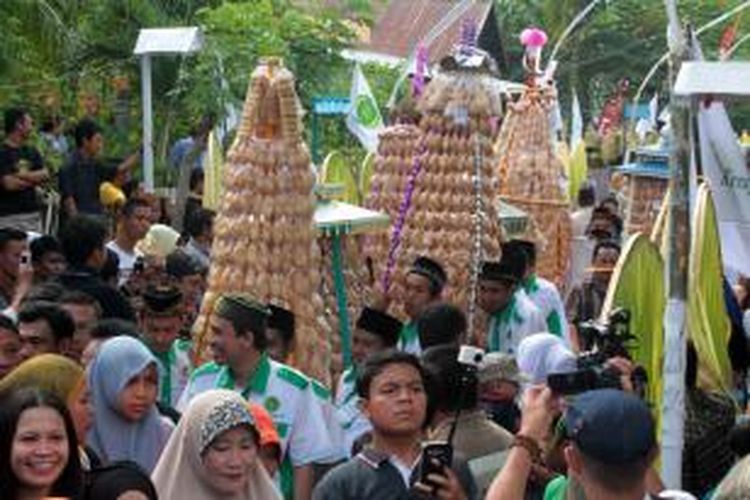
180 472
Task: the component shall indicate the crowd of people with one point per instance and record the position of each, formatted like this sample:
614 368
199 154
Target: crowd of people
101 394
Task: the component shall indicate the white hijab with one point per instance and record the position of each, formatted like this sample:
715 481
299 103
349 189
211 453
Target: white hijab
180 474
543 354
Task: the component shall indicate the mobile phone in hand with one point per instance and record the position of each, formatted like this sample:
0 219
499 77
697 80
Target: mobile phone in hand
436 456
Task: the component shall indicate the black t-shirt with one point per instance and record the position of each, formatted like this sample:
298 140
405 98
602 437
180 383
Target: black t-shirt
14 160
80 179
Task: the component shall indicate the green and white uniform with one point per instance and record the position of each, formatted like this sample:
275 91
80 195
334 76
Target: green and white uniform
175 367
545 296
408 340
520 318
289 397
353 422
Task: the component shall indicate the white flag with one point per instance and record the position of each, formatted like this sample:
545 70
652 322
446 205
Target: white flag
653 110
725 167
364 118
576 123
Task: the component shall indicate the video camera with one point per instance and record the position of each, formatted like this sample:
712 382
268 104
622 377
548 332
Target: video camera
600 342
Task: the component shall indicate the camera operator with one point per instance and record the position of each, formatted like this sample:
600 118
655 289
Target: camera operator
612 444
480 440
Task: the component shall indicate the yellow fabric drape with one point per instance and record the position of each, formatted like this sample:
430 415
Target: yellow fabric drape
337 171
637 284
576 167
213 168
707 321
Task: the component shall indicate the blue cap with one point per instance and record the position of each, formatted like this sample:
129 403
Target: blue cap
611 426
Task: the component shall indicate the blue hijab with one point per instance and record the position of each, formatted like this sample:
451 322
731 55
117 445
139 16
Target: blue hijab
113 437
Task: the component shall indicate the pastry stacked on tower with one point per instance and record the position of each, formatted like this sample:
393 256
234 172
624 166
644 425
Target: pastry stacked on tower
447 209
264 235
531 174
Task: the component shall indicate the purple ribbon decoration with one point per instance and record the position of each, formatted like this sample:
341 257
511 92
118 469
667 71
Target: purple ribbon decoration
402 211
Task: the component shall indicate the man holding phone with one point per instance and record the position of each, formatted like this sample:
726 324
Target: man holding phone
391 386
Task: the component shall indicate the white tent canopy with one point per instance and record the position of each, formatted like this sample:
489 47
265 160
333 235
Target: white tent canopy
715 78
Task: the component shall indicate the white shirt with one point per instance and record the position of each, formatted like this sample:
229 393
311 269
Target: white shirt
174 372
519 319
546 297
580 221
353 423
127 261
289 397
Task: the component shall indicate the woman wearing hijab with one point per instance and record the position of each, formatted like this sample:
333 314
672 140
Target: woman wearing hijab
544 354
127 426
65 379
213 453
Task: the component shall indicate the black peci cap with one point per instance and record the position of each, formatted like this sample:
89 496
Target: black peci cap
381 324
281 319
430 269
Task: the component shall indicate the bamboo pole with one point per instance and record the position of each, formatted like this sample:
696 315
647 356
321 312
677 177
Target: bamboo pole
678 227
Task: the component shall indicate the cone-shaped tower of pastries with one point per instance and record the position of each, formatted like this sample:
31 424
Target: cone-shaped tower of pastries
264 236
394 160
447 209
530 172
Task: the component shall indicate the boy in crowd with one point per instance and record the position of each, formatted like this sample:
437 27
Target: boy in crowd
44 327
133 222
161 321
85 311
391 386
424 285
375 332
47 258
82 240
512 315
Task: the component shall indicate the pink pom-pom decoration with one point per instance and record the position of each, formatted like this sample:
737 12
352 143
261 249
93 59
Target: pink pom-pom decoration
533 38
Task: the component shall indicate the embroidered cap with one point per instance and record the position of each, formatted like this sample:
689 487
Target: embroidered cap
243 310
497 366
226 415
